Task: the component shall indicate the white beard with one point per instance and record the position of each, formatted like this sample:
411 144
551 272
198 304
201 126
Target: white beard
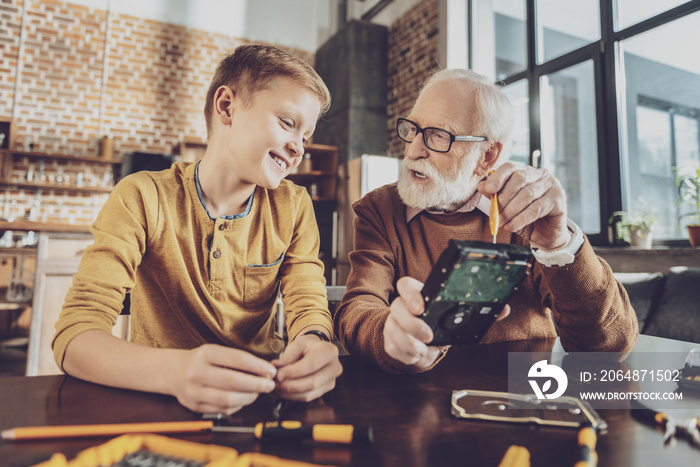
442 192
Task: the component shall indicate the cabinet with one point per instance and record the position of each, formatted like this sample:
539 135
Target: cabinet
58 257
7 133
190 149
16 280
357 177
57 195
318 172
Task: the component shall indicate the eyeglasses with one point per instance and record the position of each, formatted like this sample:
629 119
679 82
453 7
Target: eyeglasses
435 139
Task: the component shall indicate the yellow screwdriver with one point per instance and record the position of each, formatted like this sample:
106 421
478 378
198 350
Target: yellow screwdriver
587 438
286 430
516 456
292 430
493 213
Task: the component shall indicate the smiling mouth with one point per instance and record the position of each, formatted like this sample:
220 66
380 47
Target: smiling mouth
419 174
280 162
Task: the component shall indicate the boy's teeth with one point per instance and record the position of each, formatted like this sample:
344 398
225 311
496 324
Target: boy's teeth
280 162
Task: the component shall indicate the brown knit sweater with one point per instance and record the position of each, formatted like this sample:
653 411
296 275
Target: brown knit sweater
590 308
194 279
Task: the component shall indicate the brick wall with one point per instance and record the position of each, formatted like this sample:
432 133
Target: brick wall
57 106
413 52
154 86
10 18
84 74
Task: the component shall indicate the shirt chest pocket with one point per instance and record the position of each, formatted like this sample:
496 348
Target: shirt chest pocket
260 283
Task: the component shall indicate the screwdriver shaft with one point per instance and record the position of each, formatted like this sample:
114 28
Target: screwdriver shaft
493 214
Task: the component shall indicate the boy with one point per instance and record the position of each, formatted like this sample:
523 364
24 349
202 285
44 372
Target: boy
204 248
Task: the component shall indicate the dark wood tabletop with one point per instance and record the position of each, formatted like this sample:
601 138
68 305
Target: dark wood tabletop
410 416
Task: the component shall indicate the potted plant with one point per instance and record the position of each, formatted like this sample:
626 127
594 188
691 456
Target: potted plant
688 182
634 227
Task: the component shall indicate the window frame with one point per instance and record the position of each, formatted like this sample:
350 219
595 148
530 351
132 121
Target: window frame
607 72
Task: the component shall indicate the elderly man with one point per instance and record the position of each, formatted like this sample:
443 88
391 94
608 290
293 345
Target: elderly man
443 192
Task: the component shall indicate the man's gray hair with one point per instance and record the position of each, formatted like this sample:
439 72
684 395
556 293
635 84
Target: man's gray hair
494 117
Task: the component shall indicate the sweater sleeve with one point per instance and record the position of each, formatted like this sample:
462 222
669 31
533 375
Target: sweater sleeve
108 267
590 307
371 287
302 281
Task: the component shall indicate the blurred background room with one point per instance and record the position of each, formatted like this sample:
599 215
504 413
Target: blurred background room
606 95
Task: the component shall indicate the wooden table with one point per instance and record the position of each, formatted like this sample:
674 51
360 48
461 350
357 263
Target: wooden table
410 415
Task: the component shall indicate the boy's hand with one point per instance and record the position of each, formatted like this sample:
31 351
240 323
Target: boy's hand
214 378
307 369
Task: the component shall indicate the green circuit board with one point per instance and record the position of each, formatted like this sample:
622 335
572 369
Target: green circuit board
481 280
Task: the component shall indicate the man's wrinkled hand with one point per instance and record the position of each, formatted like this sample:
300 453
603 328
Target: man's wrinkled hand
532 203
406 337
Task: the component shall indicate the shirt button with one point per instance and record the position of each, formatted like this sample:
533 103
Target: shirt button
217 254
222 226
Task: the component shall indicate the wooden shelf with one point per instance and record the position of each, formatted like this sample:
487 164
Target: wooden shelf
309 175
320 181
47 186
67 157
321 147
25 226
656 259
14 251
9 161
18 338
14 306
190 149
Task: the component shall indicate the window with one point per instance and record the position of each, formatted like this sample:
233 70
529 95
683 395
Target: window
668 137
569 139
563 26
518 96
605 94
630 12
502 49
658 103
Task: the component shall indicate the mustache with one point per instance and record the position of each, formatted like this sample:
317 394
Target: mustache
424 167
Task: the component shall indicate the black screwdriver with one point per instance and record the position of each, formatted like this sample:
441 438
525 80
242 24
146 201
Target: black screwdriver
293 430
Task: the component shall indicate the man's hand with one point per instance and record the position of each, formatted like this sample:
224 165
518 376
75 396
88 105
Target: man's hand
307 369
406 337
532 203
214 378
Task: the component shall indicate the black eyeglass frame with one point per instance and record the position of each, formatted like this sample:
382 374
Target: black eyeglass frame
453 138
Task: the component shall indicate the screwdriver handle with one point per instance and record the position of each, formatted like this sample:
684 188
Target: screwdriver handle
293 430
587 438
516 456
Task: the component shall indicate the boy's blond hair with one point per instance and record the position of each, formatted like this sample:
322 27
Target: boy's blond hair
252 68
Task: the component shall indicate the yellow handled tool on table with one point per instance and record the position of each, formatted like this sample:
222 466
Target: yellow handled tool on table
293 430
587 439
278 431
516 456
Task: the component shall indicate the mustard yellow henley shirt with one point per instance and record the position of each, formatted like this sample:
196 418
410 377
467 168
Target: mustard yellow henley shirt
194 279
